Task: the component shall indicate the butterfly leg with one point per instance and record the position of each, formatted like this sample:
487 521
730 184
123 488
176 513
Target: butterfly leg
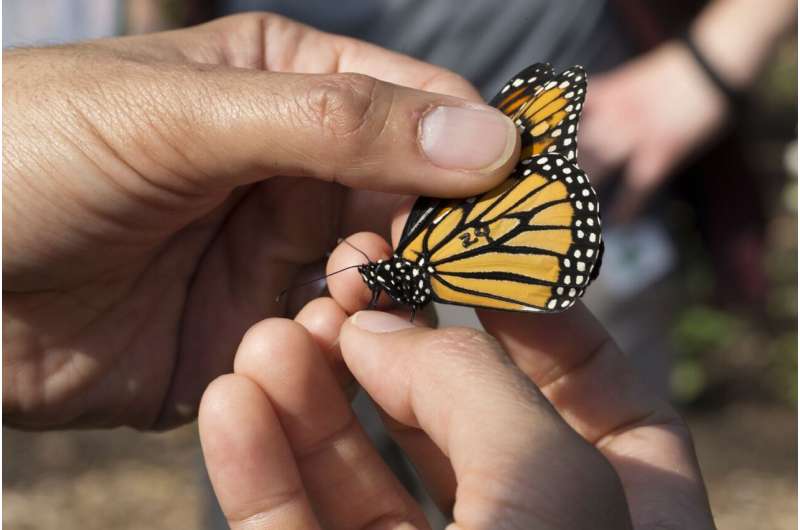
373 303
413 312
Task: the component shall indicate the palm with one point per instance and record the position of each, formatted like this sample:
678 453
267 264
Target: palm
279 233
197 290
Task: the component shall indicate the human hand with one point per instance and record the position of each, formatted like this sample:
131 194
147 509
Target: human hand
644 120
543 425
144 226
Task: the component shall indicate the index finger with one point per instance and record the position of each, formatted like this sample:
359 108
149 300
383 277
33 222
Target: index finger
296 47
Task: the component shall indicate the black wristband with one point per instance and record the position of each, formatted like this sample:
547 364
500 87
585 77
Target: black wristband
735 97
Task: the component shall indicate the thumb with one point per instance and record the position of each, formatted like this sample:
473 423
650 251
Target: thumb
225 127
507 445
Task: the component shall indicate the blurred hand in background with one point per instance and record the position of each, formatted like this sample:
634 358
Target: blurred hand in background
643 120
648 117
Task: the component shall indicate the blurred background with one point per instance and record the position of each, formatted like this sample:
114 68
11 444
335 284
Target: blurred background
699 284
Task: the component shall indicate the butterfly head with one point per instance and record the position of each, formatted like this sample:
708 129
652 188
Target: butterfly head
406 282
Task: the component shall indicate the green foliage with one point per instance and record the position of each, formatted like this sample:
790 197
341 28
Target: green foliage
688 379
699 330
702 328
783 366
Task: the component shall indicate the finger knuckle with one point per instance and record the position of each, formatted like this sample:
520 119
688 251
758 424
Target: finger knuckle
343 107
250 21
446 80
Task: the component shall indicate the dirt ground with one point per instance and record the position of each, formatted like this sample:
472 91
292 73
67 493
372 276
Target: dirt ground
123 479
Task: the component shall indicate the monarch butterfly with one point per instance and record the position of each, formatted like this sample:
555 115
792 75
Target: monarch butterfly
533 243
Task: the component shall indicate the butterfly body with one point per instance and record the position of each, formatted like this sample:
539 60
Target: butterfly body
533 243
406 282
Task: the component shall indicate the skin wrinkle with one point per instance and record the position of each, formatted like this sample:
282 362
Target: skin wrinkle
115 358
192 184
202 199
330 440
341 441
479 492
284 57
232 266
135 174
340 49
386 521
557 373
46 361
152 100
177 336
98 212
446 78
546 497
262 37
654 418
345 107
180 348
266 508
61 364
453 342
607 346
12 237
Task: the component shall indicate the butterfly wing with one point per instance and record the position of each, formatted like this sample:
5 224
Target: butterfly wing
532 243
522 86
529 245
546 108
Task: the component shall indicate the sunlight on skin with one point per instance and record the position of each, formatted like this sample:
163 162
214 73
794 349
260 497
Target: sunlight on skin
596 421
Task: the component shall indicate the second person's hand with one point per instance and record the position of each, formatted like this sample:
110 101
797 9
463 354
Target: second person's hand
546 427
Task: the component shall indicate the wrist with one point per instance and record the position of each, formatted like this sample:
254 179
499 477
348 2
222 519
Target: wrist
730 91
737 36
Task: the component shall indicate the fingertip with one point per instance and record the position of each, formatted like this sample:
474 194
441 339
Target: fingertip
248 458
323 318
269 344
380 322
220 397
348 288
377 347
229 402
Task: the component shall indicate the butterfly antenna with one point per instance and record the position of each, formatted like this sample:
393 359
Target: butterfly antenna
309 282
356 248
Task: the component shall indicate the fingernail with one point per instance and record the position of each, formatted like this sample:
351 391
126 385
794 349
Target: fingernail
379 322
467 138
